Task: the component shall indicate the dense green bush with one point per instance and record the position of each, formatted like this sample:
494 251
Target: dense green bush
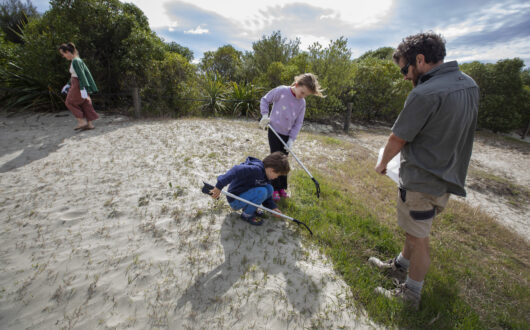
525 111
14 14
379 90
26 92
171 87
225 62
214 92
502 98
113 38
8 51
174 47
244 99
273 48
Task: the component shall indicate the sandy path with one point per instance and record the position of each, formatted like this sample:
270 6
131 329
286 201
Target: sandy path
108 229
490 155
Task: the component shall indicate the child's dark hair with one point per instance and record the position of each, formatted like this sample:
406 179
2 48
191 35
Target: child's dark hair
278 161
68 47
310 81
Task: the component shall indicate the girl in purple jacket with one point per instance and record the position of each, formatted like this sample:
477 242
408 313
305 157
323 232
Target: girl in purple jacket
286 118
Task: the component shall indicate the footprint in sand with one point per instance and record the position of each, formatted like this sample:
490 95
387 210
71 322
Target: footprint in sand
72 216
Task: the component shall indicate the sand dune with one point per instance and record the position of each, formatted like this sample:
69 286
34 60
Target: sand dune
108 229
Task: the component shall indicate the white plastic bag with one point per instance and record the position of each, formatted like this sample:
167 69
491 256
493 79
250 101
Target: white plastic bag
392 168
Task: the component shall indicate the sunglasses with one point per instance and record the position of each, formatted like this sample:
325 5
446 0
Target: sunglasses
405 69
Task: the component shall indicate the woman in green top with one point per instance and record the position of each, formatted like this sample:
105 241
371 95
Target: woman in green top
80 84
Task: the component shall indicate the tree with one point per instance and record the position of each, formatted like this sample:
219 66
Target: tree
174 47
13 16
274 49
525 112
8 51
273 76
525 77
225 61
301 62
248 72
501 93
379 89
525 109
171 83
383 53
113 38
333 66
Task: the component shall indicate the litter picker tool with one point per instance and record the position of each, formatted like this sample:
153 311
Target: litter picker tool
207 187
317 185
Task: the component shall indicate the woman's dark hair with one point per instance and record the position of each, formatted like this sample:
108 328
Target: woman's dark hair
430 44
69 47
278 161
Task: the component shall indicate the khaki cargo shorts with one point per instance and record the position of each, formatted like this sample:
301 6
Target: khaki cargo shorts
416 211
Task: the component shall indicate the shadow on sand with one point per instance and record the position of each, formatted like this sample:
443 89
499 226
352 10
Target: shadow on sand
28 137
273 249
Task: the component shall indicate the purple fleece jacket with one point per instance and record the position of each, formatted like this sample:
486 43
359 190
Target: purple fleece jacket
287 113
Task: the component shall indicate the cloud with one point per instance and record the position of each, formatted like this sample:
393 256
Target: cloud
497 28
474 29
485 30
197 30
307 22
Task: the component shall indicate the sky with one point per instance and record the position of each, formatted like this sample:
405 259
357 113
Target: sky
482 30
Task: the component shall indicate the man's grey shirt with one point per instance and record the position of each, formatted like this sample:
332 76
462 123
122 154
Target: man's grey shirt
438 122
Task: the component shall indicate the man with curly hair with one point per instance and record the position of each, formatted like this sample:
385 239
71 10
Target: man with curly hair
434 133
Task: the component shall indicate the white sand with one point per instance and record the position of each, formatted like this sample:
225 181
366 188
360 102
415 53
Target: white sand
108 229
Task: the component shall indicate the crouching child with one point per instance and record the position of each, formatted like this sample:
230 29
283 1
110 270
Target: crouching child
251 181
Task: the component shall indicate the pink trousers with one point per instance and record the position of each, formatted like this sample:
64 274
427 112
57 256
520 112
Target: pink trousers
81 108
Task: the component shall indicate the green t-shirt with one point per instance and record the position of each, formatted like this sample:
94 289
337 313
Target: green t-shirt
438 122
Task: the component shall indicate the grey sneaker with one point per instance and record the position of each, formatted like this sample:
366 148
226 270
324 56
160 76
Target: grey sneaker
390 267
403 293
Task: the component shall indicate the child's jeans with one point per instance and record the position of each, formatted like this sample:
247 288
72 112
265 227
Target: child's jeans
255 195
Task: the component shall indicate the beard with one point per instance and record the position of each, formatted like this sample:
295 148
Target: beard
415 76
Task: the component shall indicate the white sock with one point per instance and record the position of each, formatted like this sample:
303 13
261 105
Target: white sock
405 263
414 286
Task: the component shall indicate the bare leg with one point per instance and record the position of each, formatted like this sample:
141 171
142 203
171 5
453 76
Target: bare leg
417 251
81 122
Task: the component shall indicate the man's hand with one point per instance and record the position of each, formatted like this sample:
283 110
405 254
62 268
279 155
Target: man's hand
277 210
215 193
392 148
84 94
380 168
264 121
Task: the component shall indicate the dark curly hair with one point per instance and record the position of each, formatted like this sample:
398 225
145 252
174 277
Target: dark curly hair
430 44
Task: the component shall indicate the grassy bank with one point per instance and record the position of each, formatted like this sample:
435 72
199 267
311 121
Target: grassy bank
479 271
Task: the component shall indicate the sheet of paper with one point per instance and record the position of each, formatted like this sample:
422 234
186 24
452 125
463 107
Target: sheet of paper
392 168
